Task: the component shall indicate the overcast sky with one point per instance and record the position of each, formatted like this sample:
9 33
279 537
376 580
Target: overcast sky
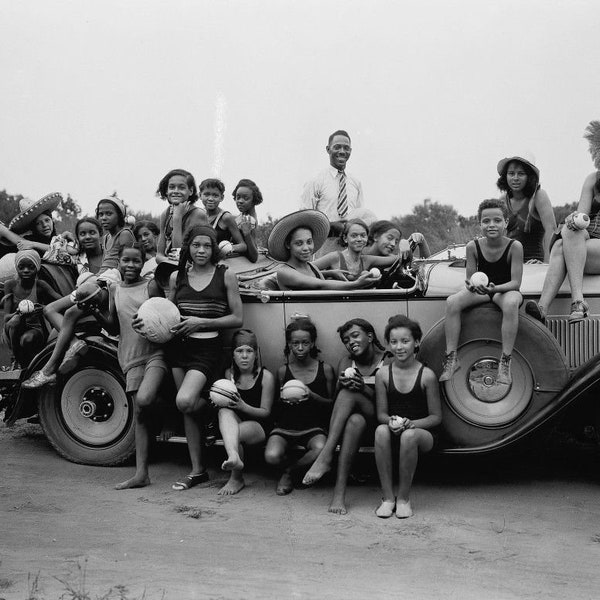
107 95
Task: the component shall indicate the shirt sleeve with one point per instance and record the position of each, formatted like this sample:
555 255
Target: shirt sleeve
310 195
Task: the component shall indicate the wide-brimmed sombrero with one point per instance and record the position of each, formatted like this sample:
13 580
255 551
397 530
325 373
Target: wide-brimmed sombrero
526 158
31 210
163 271
314 220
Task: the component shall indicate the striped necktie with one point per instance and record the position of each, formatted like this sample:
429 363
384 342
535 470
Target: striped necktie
342 203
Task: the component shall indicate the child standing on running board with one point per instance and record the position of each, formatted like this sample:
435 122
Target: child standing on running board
300 421
245 420
208 299
141 361
501 259
409 412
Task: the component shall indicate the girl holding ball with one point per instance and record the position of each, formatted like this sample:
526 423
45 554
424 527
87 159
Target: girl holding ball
208 299
245 420
408 412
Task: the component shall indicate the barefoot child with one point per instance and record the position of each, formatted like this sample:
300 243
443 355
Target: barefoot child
304 421
208 299
501 259
354 407
26 332
141 361
245 421
408 410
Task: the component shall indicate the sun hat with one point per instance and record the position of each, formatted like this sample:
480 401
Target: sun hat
314 220
526 158
32 209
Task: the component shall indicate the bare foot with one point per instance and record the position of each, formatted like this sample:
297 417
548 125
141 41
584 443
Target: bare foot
137 481
233 486
285 485
337 506
317 471
233 462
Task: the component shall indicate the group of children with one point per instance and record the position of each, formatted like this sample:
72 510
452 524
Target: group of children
388 392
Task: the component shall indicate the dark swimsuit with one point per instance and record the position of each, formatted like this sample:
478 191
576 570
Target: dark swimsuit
527 229
252 397
344 267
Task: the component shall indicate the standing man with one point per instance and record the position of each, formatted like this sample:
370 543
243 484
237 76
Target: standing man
333 191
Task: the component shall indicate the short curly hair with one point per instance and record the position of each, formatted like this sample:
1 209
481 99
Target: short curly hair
492 203
256 193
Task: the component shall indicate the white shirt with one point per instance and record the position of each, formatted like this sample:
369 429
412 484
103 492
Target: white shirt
321 193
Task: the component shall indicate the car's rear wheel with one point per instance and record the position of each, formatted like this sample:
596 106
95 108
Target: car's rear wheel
87 417
477 410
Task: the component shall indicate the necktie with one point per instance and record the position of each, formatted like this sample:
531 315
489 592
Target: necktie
342 203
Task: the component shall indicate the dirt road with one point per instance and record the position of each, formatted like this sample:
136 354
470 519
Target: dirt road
497 536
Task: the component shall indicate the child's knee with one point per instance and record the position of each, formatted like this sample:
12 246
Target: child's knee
453 305
144 400
356 422
408 439
273 456
382 434
187 403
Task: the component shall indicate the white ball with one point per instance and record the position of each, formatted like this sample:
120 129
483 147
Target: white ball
158 316
375 272
479 278
397 422
222 392
26 306
226 247
295 390
350 372
581 221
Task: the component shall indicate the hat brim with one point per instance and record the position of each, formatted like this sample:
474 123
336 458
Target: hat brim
505 161
23 221
163 271
314 220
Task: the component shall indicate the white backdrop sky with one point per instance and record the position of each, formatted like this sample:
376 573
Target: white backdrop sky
109 95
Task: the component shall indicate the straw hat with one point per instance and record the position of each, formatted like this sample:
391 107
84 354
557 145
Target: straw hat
526 158
314 220
31 210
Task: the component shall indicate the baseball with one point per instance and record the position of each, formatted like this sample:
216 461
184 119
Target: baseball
479 278
375 272
581 221
26 306
350 372
226 247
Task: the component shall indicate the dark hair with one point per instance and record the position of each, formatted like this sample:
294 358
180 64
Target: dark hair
364 325
338 132
288 237
346 229
135 246
380 227
184 256
189 179
93 221
38 237
212 183
301 324
256 193
245 333
492 203
151 225
403 321
120 215
532 179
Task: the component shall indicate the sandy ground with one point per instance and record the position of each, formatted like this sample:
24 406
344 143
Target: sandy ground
493 531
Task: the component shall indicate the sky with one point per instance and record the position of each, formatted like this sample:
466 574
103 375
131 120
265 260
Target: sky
102 96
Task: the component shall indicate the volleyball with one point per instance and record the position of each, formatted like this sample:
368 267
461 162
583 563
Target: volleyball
222 392
294 391
479 278
581 220
375 272
158 316
226 247
349 372
25 307
397 422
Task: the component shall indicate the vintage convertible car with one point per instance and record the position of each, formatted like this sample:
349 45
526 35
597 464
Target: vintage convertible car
88 418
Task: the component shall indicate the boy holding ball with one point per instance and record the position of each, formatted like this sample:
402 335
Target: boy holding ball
501 259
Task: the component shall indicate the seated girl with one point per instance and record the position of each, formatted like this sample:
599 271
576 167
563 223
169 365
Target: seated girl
246 419
147 233
178 188
24 325
354 407
293 240
247 197
385 239
300 421
409 413
211 193
349 263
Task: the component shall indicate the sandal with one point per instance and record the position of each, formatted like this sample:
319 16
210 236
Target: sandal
39 379
579 311
535 310
386 509
189 481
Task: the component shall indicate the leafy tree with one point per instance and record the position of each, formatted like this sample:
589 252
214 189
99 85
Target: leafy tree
560 212
9 206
